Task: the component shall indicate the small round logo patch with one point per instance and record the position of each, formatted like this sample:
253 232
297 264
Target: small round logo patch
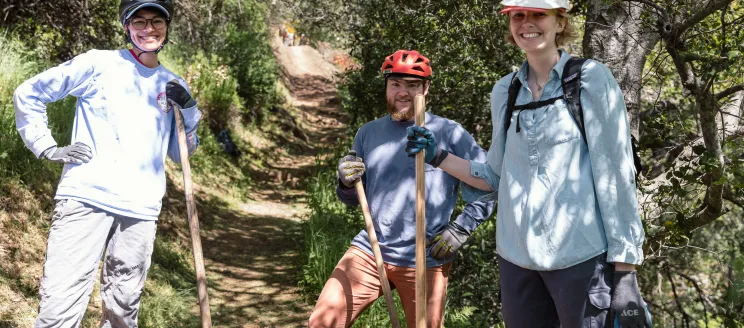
163 103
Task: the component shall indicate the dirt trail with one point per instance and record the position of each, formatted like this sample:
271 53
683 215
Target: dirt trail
253 249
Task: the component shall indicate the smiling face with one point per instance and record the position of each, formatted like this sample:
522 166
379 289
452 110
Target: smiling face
535 31
399 94
148 29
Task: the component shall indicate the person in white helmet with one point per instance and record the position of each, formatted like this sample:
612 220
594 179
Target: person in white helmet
112 185
569 234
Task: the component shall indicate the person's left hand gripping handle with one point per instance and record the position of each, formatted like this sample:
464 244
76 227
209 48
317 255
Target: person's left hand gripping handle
178 94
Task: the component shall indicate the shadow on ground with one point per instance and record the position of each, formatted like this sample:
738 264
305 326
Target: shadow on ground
252 255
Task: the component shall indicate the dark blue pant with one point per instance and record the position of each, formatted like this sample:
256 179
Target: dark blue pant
577 296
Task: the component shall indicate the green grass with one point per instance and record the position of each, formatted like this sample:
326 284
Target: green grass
330 227
170 293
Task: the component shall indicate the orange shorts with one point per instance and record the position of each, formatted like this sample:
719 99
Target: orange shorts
354 285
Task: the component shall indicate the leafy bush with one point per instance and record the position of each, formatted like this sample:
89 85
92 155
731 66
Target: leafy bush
60 29
16 161
241 41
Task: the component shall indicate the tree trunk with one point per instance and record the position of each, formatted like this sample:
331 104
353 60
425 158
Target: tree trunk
732 112
616 36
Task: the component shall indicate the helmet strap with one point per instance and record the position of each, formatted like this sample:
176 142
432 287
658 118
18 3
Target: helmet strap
156 51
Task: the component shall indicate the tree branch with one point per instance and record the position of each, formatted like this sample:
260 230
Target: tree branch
701 294
710 8
676 298
729 195
723 112
662 12
730 91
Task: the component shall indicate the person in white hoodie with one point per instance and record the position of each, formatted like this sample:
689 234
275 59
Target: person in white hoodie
110 194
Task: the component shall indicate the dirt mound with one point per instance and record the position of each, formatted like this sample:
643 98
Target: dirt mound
306 73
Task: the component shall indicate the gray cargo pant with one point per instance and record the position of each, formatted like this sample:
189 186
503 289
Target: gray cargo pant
77 239
575 297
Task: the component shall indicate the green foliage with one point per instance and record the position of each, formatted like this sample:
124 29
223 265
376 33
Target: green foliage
255 69
16 161
241 41
325 20
330 226
60 29
474 283
170 290
216 89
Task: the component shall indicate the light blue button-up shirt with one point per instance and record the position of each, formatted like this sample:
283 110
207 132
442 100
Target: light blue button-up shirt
563 201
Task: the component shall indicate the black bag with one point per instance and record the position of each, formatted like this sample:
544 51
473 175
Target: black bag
571 84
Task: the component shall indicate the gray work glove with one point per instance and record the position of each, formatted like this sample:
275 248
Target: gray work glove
77 153
350 169
445 244
178 94
627 303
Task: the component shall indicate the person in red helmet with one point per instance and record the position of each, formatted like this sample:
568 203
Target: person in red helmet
388 177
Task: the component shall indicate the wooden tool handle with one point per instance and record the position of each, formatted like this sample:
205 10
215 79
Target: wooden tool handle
418 106
201 279
378 255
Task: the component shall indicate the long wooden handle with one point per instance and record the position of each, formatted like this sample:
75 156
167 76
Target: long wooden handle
378 255
418 106
201 279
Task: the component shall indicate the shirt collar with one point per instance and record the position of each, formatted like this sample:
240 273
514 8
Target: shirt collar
556 72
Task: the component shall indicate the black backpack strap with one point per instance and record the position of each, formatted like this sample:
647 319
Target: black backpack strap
514 88
571 83
636 158
537 104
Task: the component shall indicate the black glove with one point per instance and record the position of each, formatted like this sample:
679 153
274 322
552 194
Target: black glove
627 303
448 241
178 94
77 153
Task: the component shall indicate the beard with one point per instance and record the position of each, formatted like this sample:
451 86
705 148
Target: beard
400 115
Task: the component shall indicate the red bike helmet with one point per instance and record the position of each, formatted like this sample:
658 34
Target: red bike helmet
407 62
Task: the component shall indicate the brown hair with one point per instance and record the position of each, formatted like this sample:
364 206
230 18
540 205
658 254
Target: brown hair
569 31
